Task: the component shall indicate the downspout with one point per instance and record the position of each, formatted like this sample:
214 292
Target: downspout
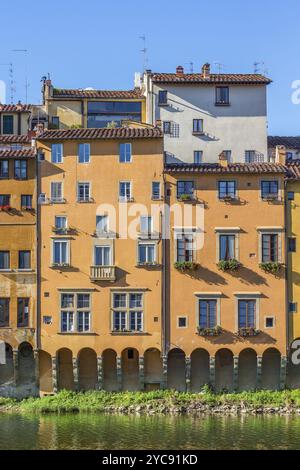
38 255
286 221
164 267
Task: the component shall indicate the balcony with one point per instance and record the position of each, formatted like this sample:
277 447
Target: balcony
103 273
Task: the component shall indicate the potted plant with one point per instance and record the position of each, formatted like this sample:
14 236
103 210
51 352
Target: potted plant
272 267
215 331
186 266
229 265
244 332
185 197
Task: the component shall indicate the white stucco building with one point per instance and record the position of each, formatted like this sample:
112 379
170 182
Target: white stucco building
204 114
291 144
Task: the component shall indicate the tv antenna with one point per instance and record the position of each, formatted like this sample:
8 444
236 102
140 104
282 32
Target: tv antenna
191 66
144 52
260 67
26 79
11 81
219 66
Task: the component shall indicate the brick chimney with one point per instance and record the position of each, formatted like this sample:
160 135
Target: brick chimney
223 160
179 70
280 154
206 70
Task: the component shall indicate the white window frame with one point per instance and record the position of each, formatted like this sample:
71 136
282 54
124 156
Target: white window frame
75 310
110 254
126 145
127 309
87 184
147 243
125 198
247 296
153 197
61 240
57 199
270 231
208 296
84 145
228 231
61 154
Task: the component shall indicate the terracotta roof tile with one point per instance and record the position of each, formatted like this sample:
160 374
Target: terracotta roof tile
105 94
288 142
14 139
231 168
238 79
293 170
94 134
25 153
13 108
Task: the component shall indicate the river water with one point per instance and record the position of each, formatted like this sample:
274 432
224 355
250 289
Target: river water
100 431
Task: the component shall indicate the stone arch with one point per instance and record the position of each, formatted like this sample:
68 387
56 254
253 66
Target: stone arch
270 378
26 365
199 369
87 369
65 377
247 370
153 368
224 370
176 370
130 369
7 369
45 370
293 370
109 368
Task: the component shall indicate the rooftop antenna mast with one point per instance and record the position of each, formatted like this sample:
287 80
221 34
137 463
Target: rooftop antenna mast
144 52
219 66
11 81
26 78
260 67
191 66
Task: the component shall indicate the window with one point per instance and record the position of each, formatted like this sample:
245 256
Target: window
101 223
222 95
127 312
8 124
4 260
291 195
269 189
54 122
227 155
167 127
198 155
162 97
103 256
146 253
182 322
102 113
197 126
155 190
83 192
227 189
250 156
146 224
269 247
47 320
125 191
185 188
289 155
61 222
293 307
4 200
26 201
207 313
292 244
56 192
24 259
84 153
246 313
227 247
23 311
185 245
125 153
269 322
21 169
57 153
61 252
75 310
4 169
4 311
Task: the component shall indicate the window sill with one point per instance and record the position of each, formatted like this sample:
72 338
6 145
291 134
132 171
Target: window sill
148 236
163 104
29 270
148 265
85 201
130 199
6 271
60 201
222 104
157 198
198 133
75 333
129 333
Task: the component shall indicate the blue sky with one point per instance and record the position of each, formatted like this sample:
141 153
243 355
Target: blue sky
96 43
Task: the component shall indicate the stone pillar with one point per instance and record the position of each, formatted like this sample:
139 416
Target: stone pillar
258 372
36 368
99 373
142 372
54 374
235 372
119 373
283 364
212 371
164 383
16 366
75 373
188 373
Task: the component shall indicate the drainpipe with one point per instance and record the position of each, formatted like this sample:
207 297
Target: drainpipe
164 267
38 255
286 221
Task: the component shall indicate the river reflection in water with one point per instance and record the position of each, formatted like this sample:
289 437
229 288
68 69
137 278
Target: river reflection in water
100 431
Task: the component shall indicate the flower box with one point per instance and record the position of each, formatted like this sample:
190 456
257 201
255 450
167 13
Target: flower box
5 208
186 266
216 331
244 332
272 267
186 197
229 265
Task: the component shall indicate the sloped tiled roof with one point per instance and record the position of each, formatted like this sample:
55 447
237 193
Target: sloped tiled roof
14 108
27 153
231 168
14 139
105 94
238 79
103 133
288 142
293 170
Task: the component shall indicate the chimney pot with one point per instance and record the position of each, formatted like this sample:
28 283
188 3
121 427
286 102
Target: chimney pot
179 70
223 160
280 154
206 70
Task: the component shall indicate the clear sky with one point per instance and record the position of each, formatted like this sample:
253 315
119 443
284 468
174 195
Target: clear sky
95 43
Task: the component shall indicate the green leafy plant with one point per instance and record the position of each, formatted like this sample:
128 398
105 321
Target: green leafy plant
228 265
216 331
76 126
248 332
185 197
186 266
272 267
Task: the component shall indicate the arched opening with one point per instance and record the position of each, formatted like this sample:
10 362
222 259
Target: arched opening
87 369
109 365
130 369
270 378
65 377
153 369
45 368
293 370
224 370
199 369
176 370
26 363
7 369
247 375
